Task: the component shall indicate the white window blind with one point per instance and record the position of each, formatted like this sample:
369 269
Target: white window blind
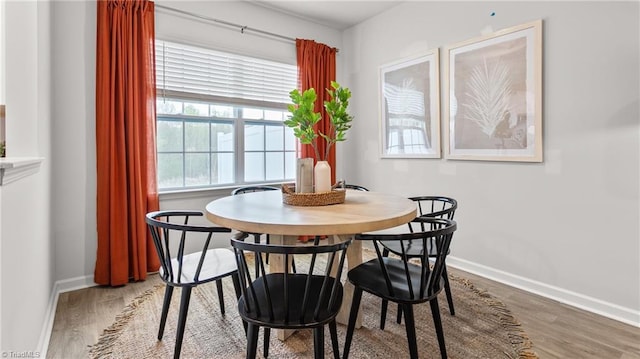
184 71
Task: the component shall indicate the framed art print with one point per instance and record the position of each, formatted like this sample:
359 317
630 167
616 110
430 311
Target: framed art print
494 96
410 107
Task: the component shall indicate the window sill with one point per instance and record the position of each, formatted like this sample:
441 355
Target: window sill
15 168
209 192
195 193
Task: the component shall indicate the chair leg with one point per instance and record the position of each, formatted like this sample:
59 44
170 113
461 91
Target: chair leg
220 295
267 338
399 315
318 342
383 313
410 326
435 312
353 315
333 330
236 287
182 319
447 290
252 340
168 291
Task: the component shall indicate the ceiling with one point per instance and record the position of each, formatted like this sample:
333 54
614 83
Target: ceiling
332 13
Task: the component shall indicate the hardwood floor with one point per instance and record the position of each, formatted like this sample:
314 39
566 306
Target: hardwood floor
556 330
561 331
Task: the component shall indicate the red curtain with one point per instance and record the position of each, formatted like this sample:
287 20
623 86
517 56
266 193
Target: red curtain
125 140
316 69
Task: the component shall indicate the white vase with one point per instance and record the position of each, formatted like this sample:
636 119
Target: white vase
322 177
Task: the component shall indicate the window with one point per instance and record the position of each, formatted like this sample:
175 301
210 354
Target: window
220 118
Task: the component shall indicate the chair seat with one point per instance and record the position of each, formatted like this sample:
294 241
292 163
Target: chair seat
370 278
218 263
297 316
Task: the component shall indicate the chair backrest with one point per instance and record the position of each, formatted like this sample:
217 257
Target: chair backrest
415 279
436 206
249 189
171 233
313 293
355 187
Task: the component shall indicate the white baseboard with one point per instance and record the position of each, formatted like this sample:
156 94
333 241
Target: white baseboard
76 283
590 304
60 286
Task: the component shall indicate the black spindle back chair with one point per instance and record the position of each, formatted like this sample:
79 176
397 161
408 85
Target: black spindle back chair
428 206
310 298
356 187
173 236
404 281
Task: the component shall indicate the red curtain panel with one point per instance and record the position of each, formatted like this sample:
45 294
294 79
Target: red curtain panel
125 140
316 69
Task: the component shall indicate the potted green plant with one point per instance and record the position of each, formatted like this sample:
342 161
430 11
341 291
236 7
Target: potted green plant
303 120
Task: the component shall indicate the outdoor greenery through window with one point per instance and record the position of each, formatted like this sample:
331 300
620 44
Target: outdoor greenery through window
220 118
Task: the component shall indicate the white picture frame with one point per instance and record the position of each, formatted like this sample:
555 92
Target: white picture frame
494 96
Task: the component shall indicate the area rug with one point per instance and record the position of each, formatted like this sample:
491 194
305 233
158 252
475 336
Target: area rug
482 328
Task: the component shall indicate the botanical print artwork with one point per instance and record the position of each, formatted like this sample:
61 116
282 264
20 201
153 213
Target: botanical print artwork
494 94
491 98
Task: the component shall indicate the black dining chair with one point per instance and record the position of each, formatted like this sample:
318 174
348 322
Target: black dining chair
308 299
355 187
428 206
172 237
257 188
403 281
249 189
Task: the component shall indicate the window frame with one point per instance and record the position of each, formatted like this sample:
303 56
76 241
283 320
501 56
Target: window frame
238 122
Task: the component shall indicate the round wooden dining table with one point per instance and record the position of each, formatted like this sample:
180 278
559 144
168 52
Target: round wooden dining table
264 212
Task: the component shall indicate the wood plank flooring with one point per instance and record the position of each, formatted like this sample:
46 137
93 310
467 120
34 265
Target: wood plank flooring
557 330
561 331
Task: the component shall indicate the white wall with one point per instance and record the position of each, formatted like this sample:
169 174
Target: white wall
177 27
2 41
74 178
568 227
2 101
27 261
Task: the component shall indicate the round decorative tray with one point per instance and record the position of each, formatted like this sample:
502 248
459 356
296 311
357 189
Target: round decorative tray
311 199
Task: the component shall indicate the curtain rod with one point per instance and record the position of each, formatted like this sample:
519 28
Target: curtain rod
242 28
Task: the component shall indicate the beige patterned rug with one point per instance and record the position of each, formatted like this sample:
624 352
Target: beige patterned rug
482 328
